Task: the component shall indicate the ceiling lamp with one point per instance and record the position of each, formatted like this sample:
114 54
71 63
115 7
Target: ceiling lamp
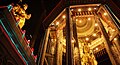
79 10
57 23
89 18
95 8
71 9
96 24
115 39
63 16
94 34
76 19
96 48
80 21
87 39
105 14
89 9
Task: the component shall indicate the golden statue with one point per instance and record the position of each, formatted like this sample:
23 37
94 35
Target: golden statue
88 56
20 14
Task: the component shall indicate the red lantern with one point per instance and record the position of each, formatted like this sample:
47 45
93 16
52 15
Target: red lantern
32 49
28 42
35 57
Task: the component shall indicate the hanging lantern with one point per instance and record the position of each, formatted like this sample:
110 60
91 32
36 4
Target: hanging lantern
24 31
28 43
32 50
35 57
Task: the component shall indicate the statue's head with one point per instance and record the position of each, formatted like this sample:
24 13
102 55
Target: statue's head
25 6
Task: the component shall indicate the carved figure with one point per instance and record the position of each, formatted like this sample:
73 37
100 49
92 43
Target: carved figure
20 14
88 56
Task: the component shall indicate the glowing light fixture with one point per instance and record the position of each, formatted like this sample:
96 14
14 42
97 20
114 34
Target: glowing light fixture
28 42
115 39
96 48
35 57
63 16
24 31
95 8
71 9
80 21
76 19
57 23
72 41
96 24
55 40
32 50
89 18
87 39
79 10
89 9
94 34
105 14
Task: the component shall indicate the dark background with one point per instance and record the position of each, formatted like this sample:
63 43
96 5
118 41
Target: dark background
39 9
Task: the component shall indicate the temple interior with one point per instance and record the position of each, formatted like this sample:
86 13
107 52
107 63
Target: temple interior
87 26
